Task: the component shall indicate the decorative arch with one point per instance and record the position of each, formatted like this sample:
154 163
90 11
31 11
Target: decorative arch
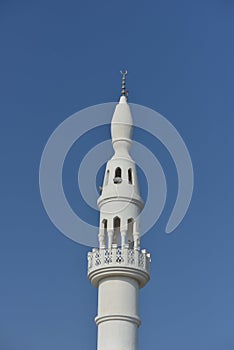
107 177
116 226
103 234
130 177
118 175
130 231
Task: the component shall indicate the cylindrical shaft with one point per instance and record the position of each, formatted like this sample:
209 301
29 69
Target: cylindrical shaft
117 319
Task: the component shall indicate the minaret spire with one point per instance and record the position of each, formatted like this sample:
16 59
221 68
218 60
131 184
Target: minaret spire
123 90
119 267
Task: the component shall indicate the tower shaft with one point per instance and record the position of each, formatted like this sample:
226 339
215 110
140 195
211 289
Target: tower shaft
117 318
118 274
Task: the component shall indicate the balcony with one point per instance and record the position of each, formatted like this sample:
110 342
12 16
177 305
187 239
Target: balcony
119 261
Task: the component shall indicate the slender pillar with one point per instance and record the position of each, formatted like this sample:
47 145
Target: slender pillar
110 238
123 238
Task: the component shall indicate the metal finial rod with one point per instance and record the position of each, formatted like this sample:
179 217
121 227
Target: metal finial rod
123 90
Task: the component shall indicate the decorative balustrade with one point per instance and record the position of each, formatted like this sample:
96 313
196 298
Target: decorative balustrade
117 256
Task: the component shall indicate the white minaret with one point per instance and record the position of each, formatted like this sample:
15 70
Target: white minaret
118 268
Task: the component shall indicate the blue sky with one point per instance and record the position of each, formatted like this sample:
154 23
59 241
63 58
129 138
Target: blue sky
58 57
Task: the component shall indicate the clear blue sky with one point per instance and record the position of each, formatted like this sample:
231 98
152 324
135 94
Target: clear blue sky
58 57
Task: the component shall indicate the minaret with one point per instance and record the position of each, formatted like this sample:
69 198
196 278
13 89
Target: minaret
118 268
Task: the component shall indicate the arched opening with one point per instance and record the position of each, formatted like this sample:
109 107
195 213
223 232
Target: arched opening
103 234
104 225
116 225
118 176
118 172
130 176
107 177
130 232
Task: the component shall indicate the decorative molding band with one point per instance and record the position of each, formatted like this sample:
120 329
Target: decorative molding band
127 318
111 198
141 276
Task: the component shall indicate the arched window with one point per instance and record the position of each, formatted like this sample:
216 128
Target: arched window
118 174
130 176
107 177
117 222
130 232
103 234
104 223
116 225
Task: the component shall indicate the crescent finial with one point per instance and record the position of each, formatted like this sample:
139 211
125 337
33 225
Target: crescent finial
123 90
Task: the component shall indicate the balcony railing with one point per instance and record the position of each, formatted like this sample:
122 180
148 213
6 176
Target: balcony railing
100 258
